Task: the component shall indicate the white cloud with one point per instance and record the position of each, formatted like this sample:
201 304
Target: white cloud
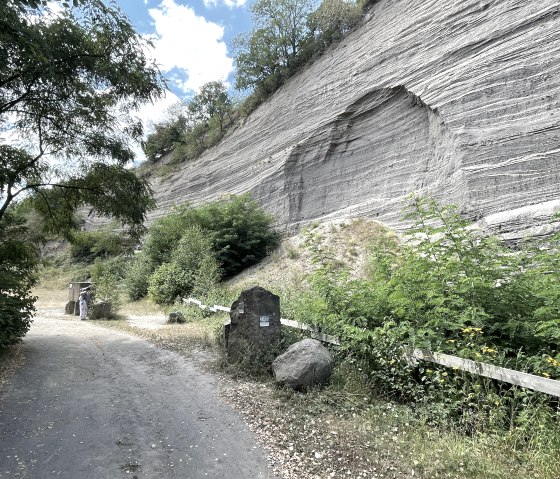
156 112
228 3
188 48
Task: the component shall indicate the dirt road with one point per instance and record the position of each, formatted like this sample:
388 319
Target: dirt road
94 403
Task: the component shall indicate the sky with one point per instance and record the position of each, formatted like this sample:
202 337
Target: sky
192 43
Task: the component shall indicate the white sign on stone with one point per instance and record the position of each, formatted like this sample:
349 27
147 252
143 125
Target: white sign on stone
265 320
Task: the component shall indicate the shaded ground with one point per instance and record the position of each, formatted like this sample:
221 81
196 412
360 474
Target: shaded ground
90 402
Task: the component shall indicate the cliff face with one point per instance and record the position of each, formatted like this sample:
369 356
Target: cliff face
459 98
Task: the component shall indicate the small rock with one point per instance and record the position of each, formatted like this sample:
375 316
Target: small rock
176 317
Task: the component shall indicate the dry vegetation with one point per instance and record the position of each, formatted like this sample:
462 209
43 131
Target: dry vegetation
287 269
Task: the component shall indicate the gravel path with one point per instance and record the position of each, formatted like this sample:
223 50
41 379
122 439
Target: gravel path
90 402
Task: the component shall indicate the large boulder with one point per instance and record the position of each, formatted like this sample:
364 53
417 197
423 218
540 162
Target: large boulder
305 364
101 310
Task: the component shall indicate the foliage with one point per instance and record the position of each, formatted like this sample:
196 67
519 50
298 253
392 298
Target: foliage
211 102
206 277
193 127
240 231
167 136
19 260
38 3
190 261
285 36
68 84
448 288
332 20
108 275
544 275
89 245
174 262
137 277
271 49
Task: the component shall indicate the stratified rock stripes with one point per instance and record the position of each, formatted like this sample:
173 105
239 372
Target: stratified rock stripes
455 97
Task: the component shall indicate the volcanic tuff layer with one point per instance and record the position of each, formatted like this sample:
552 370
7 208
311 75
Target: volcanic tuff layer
460 98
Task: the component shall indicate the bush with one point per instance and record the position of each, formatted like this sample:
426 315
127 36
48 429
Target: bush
108 276
137 277
191 261
89 245
240 231
448 288
169 282
19 260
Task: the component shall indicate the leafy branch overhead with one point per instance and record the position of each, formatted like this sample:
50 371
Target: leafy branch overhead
68 85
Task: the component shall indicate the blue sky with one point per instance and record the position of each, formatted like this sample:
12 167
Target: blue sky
192 38
192 46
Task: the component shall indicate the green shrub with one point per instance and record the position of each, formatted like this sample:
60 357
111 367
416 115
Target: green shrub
240 231
190 262
19 260
169 282
108 276
206 277
89 245
137 277
447 288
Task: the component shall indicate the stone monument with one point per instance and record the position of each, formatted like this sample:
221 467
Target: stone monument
255 323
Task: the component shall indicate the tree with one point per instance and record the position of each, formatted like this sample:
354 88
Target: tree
332 20
271 49
166 137
68 83
18 260
38 3
212 102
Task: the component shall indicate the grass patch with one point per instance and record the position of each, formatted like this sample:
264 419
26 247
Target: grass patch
140 308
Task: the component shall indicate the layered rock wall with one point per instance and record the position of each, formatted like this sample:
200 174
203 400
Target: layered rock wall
459 98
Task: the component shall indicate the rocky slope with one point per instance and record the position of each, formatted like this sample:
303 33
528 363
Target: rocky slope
460 98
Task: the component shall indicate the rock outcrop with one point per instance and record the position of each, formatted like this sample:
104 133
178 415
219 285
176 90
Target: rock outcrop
459 98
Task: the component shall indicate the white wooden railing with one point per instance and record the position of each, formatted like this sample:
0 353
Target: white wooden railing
525 380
